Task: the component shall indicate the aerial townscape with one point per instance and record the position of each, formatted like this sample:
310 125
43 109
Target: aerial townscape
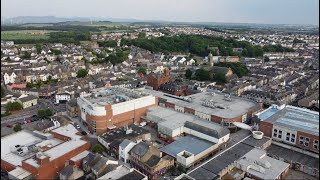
92 98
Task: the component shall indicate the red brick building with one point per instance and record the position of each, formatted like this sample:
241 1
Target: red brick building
108 108
291 125
156 79
50 151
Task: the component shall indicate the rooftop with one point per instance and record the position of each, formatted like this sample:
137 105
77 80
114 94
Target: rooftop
113 95
121 133
123 172
63 148
22 138
212 103
188 143
258 164
19 173
294 118
172 119
68 131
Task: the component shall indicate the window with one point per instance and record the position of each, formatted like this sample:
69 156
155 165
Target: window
275 130
288 134
301 141
279 136
293 135
287 138
306 143
316 144
307 139
292 140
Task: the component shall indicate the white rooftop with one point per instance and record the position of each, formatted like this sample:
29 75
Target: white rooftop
19 173
63 148
68 131
116 174
80 156
225 108
257 163
21 138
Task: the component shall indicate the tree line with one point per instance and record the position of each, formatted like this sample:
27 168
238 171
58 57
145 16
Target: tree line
200 45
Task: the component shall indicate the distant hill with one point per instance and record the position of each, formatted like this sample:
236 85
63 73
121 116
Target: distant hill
54 19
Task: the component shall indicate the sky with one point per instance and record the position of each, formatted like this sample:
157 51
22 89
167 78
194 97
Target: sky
232 11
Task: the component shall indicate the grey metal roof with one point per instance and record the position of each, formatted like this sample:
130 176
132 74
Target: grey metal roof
188 143
214 132
203 174
140 149
227 158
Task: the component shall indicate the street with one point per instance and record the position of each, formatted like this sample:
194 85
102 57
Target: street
28 112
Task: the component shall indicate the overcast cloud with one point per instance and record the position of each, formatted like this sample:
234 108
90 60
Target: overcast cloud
236 11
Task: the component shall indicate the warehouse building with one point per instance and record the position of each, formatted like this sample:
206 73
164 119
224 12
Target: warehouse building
107 108
171 124
212 106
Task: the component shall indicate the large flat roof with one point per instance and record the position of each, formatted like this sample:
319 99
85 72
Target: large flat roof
173 119
188 143
22 138
103 96
221 104
68 131
291 117
63 148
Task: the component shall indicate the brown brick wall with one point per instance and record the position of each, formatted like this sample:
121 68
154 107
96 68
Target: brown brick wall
169 105
188 110
52 169
59 136
120 120
5 166
216 119
266 128
311 141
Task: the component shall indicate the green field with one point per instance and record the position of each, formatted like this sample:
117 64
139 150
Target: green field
103 24
25 34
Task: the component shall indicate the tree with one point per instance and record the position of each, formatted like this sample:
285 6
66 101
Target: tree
142 70
220 77
45 113
13 106
17 128
188 74
39 48
142 35
2 92
26 55
202 75
97 148
82 73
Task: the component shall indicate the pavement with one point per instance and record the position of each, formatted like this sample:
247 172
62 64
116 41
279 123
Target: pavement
26 113
78 121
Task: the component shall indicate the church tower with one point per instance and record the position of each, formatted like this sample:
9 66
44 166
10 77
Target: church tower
210 60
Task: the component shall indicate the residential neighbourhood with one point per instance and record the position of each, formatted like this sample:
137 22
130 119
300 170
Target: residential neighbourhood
160 101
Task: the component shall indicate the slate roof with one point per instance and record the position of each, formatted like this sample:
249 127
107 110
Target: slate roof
140 149
153 160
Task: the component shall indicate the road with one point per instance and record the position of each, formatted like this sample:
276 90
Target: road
26 113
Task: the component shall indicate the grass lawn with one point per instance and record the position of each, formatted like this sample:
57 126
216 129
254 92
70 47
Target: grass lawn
25 34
